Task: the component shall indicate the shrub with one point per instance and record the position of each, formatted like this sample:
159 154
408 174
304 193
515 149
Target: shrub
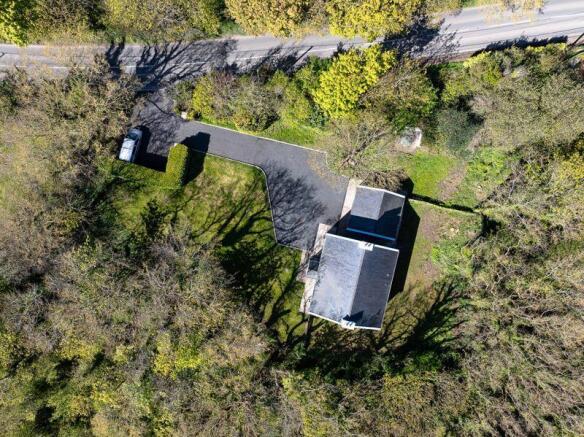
163 19
404 94
454 129
177 166
308 76
477 73
182 95
349 76
15 20
296 106
202 99
254 107
213 96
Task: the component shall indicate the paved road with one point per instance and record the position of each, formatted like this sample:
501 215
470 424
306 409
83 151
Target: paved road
302 191
470 30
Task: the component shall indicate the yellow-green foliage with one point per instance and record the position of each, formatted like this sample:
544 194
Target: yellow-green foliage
278 17
76 348
8 345
317 414
177 166
170 361
478 72
201 102
14 20
370 18
163 18
349 76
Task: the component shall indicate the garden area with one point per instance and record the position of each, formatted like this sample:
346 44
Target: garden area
358 105
225 207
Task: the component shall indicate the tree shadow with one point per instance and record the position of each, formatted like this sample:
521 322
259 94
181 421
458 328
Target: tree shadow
113 56
425 40
295 208
522 43
264 271
341 354
436 329
157 65
199 144
154 113
282 58
161 64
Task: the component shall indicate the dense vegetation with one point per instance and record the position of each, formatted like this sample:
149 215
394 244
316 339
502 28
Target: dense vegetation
357 106
127 307
29 21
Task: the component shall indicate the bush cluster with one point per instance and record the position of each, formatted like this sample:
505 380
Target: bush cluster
177 166
254 102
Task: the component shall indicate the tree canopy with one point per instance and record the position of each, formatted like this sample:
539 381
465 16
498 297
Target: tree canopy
370 18
276 17
127 308
349 76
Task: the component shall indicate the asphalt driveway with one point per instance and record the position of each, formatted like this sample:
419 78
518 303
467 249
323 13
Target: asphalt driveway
302 191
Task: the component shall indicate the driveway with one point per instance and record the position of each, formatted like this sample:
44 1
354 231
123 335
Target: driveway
302 191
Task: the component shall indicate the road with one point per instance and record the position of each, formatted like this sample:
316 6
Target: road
302 190
463 33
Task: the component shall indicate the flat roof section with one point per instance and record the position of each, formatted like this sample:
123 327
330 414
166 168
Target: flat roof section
376 213
354 282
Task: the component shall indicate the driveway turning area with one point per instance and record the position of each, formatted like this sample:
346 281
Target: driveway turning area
302 191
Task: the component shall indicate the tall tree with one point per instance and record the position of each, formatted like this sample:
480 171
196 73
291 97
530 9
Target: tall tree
370 18
277 17
349 76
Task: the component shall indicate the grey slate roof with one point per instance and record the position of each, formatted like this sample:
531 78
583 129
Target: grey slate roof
354 281
376 212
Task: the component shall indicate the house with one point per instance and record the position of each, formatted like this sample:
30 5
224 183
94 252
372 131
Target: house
351 273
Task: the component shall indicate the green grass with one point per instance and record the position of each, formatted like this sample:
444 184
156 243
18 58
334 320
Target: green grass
293 133
427 171
280 130
226 207
439 243
439 252
473 3
485 171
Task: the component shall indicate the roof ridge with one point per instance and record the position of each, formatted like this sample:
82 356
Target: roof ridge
363 252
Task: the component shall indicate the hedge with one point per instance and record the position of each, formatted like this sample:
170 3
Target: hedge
177 166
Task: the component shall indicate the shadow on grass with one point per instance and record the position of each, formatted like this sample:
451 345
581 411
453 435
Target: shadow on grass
263 271
408 332
198 145
406 241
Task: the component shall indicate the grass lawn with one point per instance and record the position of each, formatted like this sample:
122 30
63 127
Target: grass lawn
484 172
281 130
454 180
427 170
226 206
473 3
294 133
439 238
